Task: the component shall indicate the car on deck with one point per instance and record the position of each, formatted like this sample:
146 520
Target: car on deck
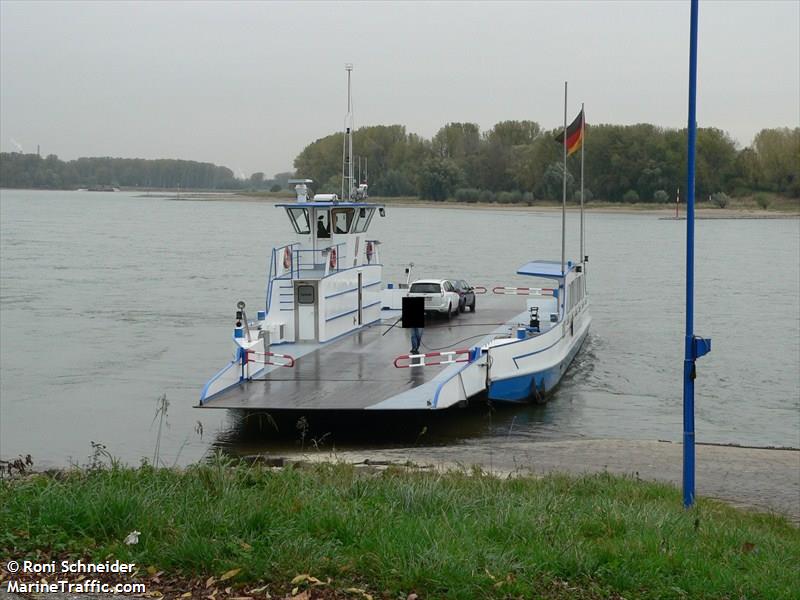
440 295
466 295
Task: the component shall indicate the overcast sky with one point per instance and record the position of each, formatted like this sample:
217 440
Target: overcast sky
248 85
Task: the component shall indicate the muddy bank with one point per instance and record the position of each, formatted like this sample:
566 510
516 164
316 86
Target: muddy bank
757 478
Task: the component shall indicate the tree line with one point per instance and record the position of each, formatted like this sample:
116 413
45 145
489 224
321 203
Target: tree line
518 161
514 161
19 170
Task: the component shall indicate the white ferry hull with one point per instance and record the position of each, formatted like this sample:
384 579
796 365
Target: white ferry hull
527 370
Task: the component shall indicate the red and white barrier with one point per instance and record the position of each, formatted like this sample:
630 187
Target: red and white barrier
268 358
421 360
523 291
479 289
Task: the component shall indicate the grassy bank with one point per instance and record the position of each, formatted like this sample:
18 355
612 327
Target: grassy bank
394 532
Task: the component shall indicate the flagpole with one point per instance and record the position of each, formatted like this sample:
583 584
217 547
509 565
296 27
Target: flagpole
583 143
694 345
564 195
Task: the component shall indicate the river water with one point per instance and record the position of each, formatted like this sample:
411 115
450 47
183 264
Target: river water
109 300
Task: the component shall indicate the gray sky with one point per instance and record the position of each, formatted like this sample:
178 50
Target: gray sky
248 85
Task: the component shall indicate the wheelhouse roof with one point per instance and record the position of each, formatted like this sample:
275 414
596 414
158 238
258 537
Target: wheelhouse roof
544 268
329 205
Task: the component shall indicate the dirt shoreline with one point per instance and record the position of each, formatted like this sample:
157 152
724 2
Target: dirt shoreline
666 212
762 479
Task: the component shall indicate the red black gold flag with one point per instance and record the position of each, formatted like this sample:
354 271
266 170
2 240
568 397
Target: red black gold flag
574 135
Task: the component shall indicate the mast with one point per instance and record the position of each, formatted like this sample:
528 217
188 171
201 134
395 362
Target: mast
583 143
564 195
347 144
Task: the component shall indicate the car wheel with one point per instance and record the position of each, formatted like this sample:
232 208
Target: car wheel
462 306
472 306
449 311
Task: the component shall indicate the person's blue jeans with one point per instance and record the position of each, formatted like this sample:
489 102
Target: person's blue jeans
416 339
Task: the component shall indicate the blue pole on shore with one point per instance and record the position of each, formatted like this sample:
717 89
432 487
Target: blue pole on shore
695 347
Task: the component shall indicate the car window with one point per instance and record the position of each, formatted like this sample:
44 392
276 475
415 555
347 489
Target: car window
448 286
425 288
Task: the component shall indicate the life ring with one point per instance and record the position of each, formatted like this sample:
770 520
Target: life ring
332 258
287 258
369 252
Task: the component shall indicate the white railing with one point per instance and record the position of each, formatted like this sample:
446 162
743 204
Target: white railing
448 357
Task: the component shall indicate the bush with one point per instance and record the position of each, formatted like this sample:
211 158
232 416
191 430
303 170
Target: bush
527 198
509 197
275 188
660 196
763 200
487 196
720 199
468 194
630 196
587 192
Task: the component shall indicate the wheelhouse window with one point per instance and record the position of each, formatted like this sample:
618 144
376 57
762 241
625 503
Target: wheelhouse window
299 219
363 219
342 219
323 225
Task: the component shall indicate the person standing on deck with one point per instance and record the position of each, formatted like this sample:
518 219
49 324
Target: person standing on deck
322 228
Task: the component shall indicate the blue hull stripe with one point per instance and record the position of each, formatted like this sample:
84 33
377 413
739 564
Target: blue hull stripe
522 387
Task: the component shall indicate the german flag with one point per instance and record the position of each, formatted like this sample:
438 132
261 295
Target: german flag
574 134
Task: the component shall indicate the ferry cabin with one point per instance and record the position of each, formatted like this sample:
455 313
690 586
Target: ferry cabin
328 282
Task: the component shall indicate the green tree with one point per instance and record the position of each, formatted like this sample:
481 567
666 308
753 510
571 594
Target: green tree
778 152
393 183
551 186
438 178
257 180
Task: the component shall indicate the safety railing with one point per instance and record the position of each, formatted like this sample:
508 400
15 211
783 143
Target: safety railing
269 358
479 289
448 357
523 291
287 262
332 256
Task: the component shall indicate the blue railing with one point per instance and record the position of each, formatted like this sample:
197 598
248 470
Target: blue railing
298 264
319 257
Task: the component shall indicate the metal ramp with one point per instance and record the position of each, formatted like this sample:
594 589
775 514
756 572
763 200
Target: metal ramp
357 372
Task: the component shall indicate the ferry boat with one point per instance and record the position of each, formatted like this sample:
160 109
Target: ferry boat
328 336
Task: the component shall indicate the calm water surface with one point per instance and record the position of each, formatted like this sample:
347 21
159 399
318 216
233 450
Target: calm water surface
108 300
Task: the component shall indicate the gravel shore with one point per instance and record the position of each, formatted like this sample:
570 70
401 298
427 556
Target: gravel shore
763 479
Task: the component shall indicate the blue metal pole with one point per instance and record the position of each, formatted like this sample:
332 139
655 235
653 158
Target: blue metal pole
690 354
